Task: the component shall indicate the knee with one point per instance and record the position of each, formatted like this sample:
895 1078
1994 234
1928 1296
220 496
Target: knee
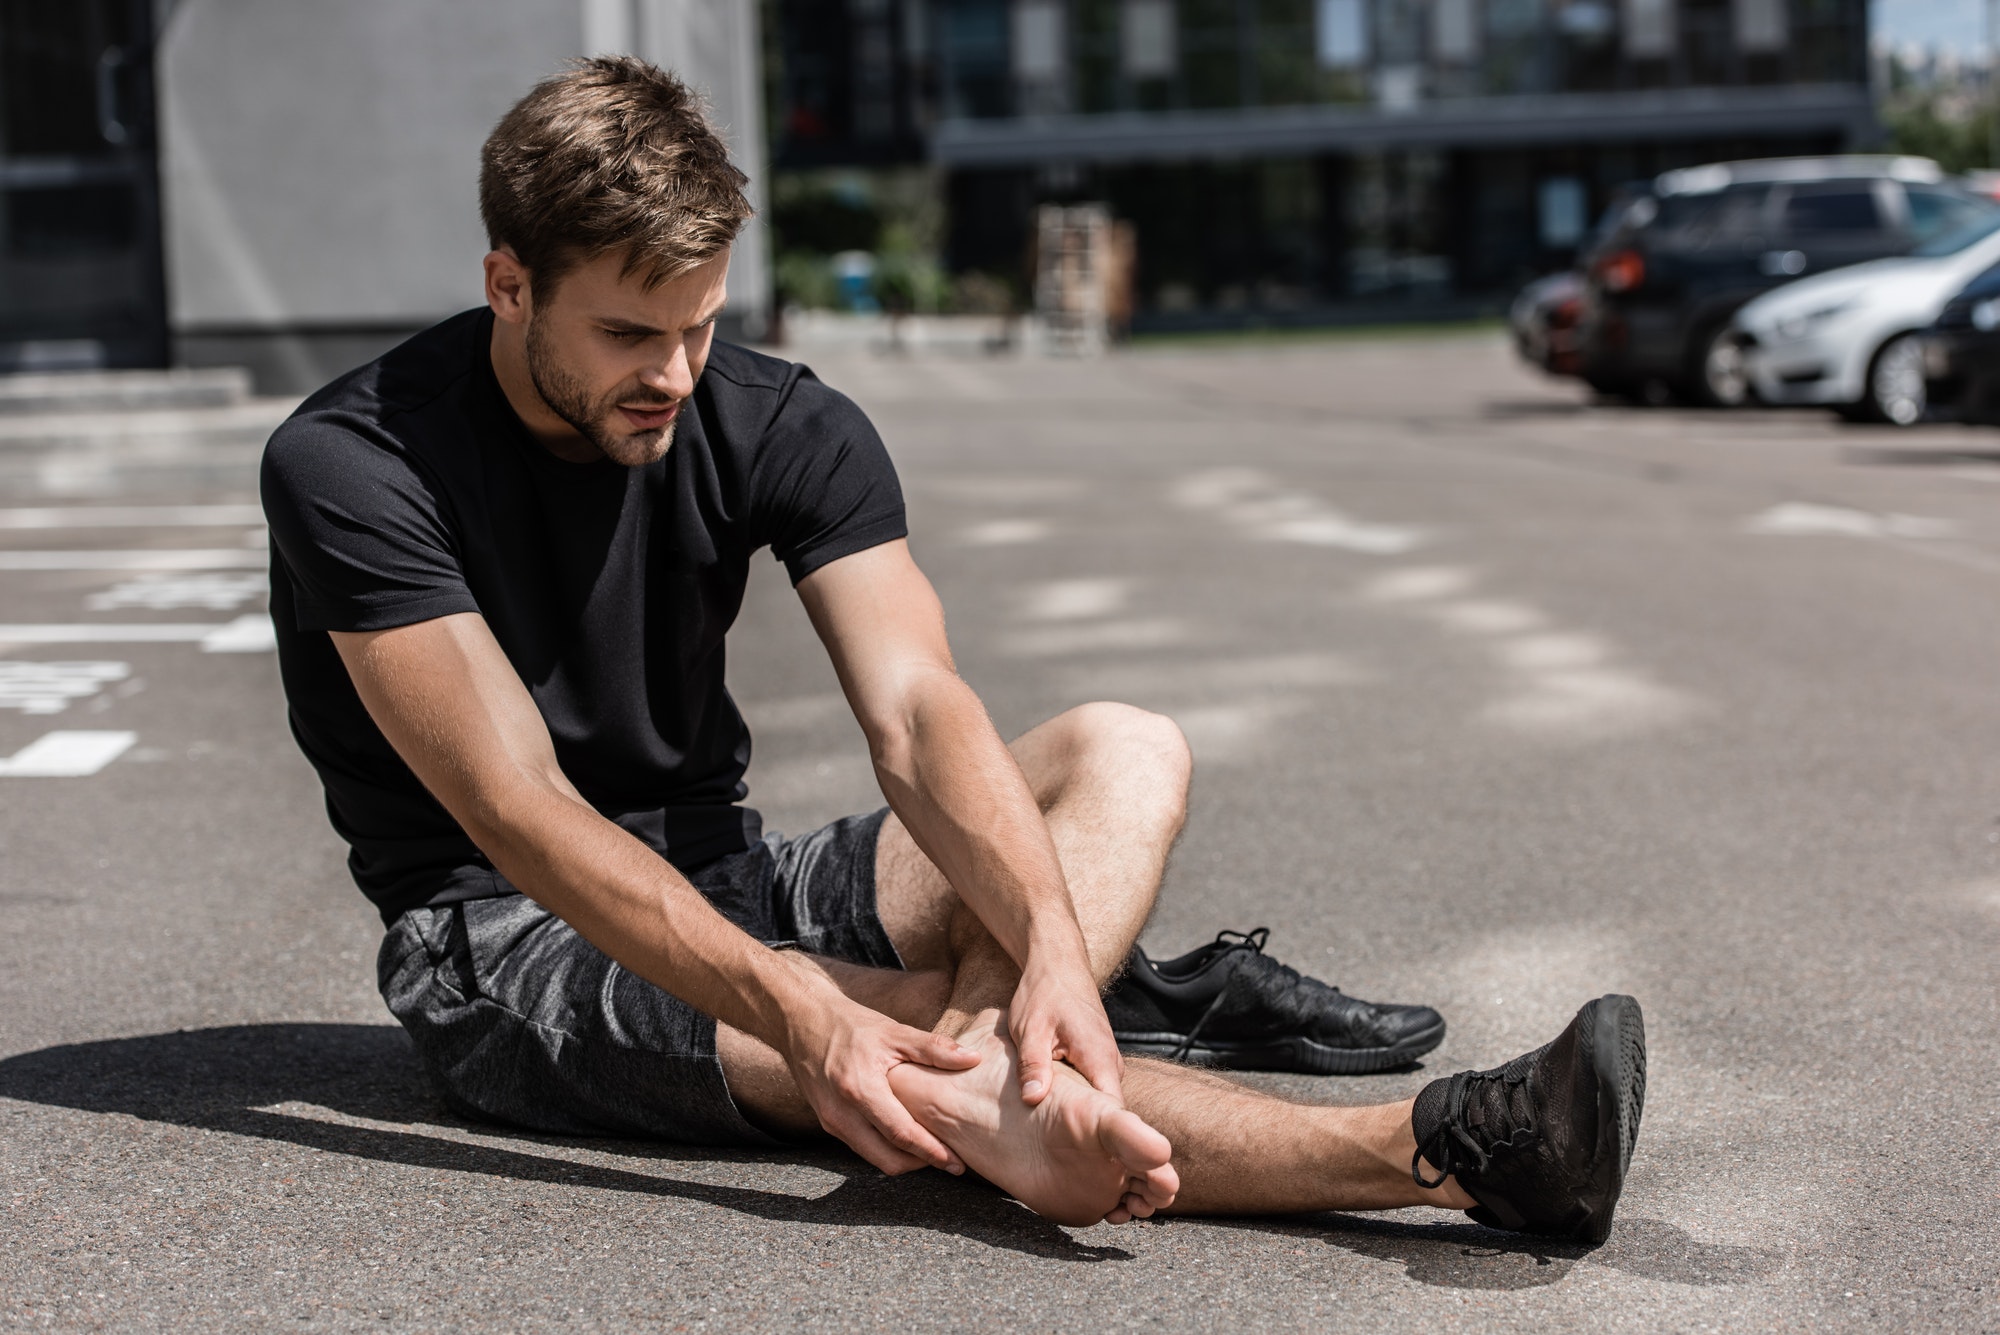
1147 751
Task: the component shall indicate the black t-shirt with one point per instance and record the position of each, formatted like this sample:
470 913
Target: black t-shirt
409 489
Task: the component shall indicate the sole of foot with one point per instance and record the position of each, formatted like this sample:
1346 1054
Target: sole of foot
1078 1157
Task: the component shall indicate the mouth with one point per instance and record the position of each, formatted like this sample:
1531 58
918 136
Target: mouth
649 416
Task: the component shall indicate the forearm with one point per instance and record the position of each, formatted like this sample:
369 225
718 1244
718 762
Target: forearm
632 904
961 794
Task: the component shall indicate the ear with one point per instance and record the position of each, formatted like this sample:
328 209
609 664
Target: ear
508 291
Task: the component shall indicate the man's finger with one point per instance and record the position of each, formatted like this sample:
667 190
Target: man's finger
1103 1067
893 1121
946 1054
859 1135
1036 1049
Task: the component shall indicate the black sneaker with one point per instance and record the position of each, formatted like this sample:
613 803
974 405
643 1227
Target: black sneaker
1229 1004
1543 1142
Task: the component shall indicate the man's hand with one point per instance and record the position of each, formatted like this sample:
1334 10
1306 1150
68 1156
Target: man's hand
840 1056
1057 1015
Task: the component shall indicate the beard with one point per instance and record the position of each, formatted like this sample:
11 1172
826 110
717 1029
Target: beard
569 398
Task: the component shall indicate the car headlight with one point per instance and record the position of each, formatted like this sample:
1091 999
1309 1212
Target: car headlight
1986 315
1799 326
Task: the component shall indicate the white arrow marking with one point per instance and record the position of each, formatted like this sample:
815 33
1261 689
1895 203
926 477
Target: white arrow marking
67 755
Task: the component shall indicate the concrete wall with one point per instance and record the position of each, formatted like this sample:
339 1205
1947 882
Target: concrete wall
319 158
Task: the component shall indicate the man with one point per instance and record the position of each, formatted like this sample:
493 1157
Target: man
505 556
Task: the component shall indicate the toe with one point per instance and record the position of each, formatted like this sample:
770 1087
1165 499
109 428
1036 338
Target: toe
1158 1187
1134 1144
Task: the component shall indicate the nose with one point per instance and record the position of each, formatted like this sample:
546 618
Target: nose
672 376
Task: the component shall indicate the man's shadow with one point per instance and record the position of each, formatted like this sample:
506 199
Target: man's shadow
1469 1256
229 1079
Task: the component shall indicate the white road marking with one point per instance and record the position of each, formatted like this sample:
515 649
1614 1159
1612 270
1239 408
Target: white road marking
252 634
1005 532
1489 616
1803 519
66 755
164 558
1262 507
131 516
1206 678
48 688
1098 637
1419 584
217 592
1233 734
246 634
1589 703
1075 599
1560 685
1555 652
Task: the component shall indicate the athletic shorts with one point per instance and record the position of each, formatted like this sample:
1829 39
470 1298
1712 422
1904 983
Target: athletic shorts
519 1020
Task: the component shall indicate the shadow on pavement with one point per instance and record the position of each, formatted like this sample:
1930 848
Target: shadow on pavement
1894 456
1469 1256
227 1080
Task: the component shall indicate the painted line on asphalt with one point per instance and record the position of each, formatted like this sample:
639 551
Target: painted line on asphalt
129 516
1264 508
168 558
48 688
66 755
246 634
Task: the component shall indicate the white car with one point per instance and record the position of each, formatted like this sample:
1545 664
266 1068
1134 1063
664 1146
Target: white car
1851 339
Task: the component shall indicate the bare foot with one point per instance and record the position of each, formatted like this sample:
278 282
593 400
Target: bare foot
1077 1157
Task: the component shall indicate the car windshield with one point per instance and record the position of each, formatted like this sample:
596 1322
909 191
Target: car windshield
1977 229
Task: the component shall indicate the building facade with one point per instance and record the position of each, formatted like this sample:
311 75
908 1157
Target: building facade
291 184
1306 159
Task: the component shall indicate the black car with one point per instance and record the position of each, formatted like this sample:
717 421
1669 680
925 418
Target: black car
1661 290
1962 352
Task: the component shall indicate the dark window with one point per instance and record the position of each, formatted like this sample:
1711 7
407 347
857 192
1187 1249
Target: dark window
1936 212
1852 210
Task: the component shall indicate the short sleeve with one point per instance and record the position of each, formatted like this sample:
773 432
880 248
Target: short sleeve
823 486
358 529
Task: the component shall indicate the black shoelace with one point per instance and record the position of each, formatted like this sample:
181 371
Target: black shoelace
1453 1148
1229 943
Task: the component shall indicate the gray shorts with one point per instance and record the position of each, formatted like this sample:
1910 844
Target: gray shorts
520 1020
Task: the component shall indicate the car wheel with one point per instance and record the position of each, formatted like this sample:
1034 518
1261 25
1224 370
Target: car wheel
1721 380
1896 392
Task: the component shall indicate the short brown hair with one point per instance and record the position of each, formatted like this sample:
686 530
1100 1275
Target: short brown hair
611 155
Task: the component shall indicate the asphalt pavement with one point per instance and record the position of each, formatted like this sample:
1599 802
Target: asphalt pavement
1500 700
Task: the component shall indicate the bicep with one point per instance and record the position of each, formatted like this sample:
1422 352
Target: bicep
882 625
445 696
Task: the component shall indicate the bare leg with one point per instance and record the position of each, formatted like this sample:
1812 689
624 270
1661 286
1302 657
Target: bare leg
1113 783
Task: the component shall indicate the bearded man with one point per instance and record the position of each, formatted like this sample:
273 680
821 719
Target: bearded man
505 558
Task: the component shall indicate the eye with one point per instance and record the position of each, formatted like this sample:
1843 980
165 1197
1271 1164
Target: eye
625 335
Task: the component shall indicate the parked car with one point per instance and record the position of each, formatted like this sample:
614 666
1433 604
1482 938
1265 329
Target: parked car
1544 317
1662 290
1853 339
1962 351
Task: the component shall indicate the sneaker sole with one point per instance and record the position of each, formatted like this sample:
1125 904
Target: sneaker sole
1294 1053
1616 1032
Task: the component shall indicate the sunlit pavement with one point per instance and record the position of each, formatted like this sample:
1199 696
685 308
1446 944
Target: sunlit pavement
1499 701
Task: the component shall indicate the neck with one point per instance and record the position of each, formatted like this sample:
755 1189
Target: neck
509 351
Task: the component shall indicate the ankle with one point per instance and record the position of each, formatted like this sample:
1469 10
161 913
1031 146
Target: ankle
957 1021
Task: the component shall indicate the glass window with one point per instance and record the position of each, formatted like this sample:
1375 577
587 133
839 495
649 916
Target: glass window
1933 213
1841 210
